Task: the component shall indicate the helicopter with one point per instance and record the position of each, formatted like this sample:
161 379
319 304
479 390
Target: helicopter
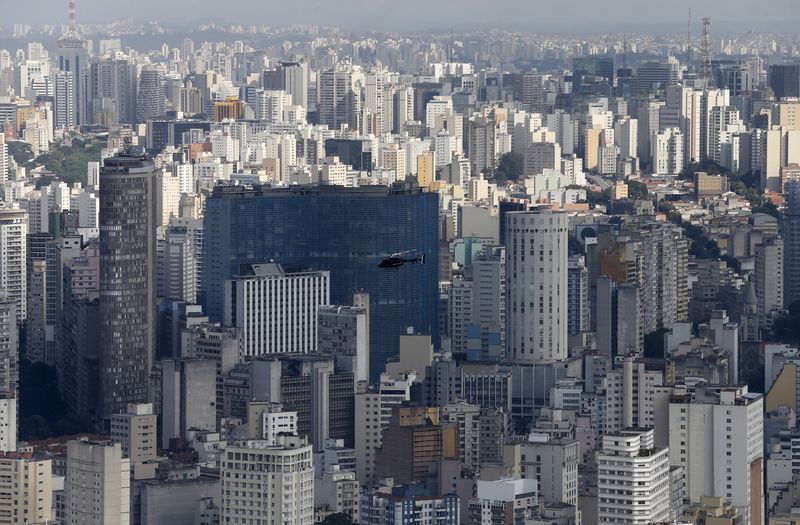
396 260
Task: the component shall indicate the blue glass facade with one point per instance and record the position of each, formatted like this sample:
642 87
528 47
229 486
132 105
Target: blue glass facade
347 231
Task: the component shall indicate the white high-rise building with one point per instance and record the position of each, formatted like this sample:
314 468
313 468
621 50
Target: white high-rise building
275 311
630 391
375 85
270 105
135 430
4 164
666 152
13 253
437 107
536 286
26 494
626 133
633 480
265 483
716 435
97 484
177 264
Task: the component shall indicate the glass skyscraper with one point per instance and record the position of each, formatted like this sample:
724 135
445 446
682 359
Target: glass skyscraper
347 231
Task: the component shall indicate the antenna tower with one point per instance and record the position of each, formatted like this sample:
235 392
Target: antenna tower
72 24
708 77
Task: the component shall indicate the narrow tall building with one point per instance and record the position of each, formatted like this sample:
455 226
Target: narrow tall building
127 266
97 485
26 495
791 246
536 286
716 434
13 250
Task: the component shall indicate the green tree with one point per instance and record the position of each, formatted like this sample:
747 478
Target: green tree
510 166
338 518
654 344
33 428
638 190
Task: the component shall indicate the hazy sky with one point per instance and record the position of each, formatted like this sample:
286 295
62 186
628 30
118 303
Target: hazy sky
536 15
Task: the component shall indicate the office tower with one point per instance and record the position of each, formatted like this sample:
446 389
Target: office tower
343 332
577 295
72 56
112 91
295 81
26 494
35 338
533 93
127 281
630 458
345 231
626 135
271 105
188 397
536 286
275 311
784 79
791 235
150 96
13 250
648 115
97 484
653 75
716 435
177 260
403 108
9 376
285 492
666 152
769 275
9 346
338 103
135 430
593 66
64 107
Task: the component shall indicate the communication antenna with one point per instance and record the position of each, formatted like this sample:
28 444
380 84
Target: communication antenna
72 24
708 77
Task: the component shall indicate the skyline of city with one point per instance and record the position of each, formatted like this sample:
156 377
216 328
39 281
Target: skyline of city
569 16
331 267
